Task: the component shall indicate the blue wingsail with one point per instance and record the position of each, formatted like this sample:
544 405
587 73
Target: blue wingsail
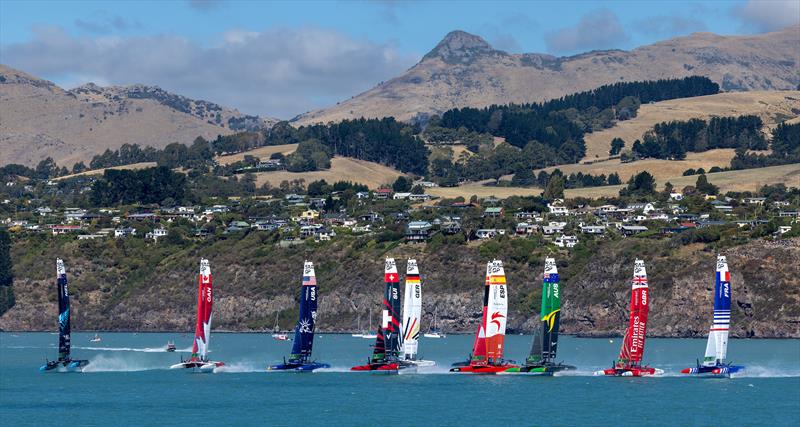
304 330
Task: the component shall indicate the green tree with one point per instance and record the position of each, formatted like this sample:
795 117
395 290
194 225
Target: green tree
401 184
617 144
640 184
555 187
702 185
523 178
6 273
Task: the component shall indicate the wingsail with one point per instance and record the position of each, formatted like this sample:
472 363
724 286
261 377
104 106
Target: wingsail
632 350
202 331
64 362
412 311
300 359
717 347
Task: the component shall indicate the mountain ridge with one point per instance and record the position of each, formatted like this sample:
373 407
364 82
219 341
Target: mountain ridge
464 70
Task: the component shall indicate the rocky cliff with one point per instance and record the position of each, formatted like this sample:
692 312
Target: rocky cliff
133 286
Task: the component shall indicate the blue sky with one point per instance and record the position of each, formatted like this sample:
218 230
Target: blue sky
284 58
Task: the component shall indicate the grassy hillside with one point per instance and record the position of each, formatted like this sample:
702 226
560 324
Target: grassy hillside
371 174
772 106
130 285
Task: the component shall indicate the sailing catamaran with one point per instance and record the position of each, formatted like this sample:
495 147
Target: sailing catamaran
300 359
202 332
545 339
717 348
64 363
412 313
487 353
387 343
630 355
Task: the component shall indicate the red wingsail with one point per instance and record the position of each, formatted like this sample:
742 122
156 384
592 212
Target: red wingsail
479 346
202 329
633 345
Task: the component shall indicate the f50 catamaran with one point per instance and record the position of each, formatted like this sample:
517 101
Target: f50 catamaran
487 353
717 348
629 363
202 332
300 359
385 355
412 313
541 360
64 362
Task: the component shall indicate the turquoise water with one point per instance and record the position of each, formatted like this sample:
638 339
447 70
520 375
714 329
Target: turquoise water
127 383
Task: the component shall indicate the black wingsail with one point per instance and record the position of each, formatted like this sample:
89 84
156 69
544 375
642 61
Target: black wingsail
63 312
304 330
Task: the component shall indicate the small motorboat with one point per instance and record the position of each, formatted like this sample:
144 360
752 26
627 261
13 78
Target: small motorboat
96 338
280 337
171 347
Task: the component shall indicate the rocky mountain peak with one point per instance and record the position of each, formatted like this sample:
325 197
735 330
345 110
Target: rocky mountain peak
460 47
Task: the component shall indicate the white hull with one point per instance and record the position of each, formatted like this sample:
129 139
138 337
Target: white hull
434 335
369 336
204 367
421 363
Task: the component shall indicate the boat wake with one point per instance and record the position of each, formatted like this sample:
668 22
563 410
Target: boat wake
241 367
765 372
142 350
104 363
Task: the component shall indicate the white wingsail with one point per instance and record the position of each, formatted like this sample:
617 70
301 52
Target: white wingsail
496 312
412 311
717 346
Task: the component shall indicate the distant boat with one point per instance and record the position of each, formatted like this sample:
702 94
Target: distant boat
171 346
199 362
96 338
358 334
629 363
487 351
300 358
64 362
412 315
366 334
541 360
717 348
434 331
277 335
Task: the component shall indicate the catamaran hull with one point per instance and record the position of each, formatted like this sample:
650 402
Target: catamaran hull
539 370
68 366
297 367
386 368
483 369
630 372
722 371
203 367
422 363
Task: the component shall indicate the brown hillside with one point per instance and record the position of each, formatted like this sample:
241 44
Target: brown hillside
464 70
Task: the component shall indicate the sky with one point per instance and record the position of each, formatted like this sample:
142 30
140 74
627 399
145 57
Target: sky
280 59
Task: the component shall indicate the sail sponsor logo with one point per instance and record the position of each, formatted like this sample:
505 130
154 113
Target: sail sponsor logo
313 294
502 291
394 294
390 264
555 290
417 291
644 296
308 268
637 335
497 319
208 294
304 326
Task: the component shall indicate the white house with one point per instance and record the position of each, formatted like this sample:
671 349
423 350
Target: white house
489 233
644 207
401 196
124 232
566 241
558 209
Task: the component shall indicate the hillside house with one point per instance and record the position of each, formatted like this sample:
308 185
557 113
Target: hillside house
630 230
558 210
400 196
566 241
124 232
156 234
489 233
64 229
323 234
645 208
493 212
417 231
526 228
593 229
382 193
419 197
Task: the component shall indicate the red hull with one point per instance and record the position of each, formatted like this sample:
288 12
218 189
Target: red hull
378 367
634 371
482 369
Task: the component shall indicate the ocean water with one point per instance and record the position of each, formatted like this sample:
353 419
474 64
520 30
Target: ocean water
128 383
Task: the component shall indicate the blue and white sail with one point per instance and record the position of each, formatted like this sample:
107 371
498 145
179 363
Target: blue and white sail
304 330
717 346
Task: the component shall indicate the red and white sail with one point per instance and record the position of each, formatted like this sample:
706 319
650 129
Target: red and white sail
202 331
412 310
633 344
496 312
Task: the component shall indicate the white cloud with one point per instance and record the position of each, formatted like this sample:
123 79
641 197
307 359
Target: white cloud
767 15
276 72
599 29
669 26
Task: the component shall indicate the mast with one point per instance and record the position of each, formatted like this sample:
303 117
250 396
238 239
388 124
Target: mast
63 311
479 346
497 312
633 344
304 330
717 347
391 309
412 310
202 331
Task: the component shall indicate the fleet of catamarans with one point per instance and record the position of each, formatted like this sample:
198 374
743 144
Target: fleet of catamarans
397 340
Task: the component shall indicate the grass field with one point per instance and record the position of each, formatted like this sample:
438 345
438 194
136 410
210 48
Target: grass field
371 174
743 180
659 168
261 152
134 166
772 106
